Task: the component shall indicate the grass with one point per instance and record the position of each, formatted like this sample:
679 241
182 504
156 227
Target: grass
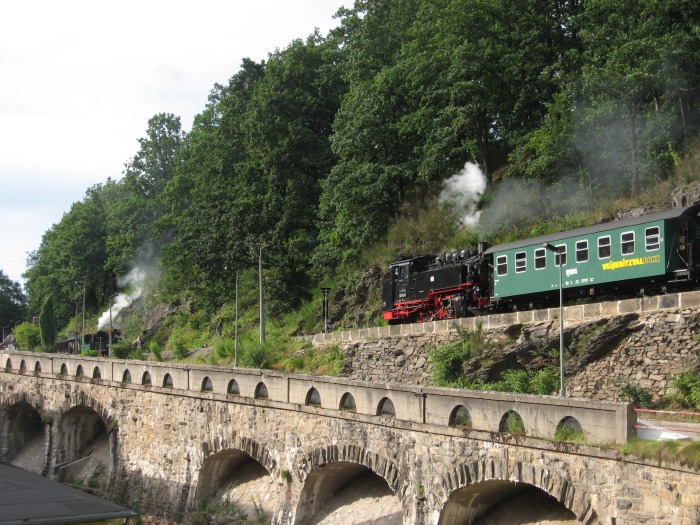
686 453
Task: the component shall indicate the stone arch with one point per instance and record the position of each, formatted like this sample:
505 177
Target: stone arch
83 424
460 417
313 398
126 376
8 364
64 370
22 366
324 471
79 371
146 378
386 408
223 456
37 367
233 389
261 391
512 423
568 429
505 476
347 403
167 381
207 385
23 426
96 374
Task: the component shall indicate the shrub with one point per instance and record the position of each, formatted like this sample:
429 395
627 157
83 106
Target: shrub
448 360
254 355
687 391
641 397
120 350
154 349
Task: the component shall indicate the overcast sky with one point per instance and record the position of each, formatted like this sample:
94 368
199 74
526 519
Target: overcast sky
79 80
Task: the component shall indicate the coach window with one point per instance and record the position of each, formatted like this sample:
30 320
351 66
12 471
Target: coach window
502 265
520 262
560 255
627 243
652 238
581 251
540 259
604 247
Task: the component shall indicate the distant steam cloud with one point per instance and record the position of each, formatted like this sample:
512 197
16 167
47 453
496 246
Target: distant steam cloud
134 280
464 189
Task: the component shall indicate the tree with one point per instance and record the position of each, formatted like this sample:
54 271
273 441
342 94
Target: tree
13 303
47 323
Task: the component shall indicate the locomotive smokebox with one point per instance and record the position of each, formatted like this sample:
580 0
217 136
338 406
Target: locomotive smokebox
481 247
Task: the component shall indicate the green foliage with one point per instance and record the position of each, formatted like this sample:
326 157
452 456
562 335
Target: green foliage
686 453
13 303
686 392
47 323
545 381
448 360
513 424
638 395
28 336
120 350
89 353
255 354
154 349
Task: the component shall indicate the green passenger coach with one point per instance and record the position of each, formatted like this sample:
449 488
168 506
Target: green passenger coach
653 250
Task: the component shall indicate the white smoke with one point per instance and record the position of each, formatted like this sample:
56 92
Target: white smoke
134 280
464 189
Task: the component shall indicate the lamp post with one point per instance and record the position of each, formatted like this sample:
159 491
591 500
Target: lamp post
262 299
558 251
235 338
109 349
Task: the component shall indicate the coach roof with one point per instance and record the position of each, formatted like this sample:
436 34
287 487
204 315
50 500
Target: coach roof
673 213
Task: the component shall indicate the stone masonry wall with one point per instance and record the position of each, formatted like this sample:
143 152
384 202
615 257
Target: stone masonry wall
663 344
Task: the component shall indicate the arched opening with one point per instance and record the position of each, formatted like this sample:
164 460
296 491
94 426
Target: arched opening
8 364
64 370
460 417
336 490
495 501
386 408
126 376
569 431
232 477
37 367
167 381
233 389
146 379
512 423
96 374
83 449
261 391
207 385
347 403
313 398
24 444
22 366
79 371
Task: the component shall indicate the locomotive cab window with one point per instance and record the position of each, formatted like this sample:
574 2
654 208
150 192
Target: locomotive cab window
502 265
652 238
401 272
560 256
520 262
540 259
627 243
604 247
581 251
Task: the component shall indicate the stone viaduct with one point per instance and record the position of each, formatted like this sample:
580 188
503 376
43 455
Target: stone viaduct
177 433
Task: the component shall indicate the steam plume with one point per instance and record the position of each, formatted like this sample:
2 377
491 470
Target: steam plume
134 280
464 189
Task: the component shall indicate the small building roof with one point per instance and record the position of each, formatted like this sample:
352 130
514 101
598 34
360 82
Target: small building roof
27 498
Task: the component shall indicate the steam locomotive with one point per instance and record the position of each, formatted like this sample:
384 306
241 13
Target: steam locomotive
646 254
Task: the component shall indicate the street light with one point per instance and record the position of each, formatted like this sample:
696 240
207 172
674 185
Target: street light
109 349
558 251
262 300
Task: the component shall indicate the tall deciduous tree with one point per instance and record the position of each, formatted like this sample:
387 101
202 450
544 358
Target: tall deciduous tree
47 323
13 303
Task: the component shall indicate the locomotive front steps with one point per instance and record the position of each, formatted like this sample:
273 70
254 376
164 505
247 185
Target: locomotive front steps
572 315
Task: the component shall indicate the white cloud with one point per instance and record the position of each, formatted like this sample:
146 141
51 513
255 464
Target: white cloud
80 79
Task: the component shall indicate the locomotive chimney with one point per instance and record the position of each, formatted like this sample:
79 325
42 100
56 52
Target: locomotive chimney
481 247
